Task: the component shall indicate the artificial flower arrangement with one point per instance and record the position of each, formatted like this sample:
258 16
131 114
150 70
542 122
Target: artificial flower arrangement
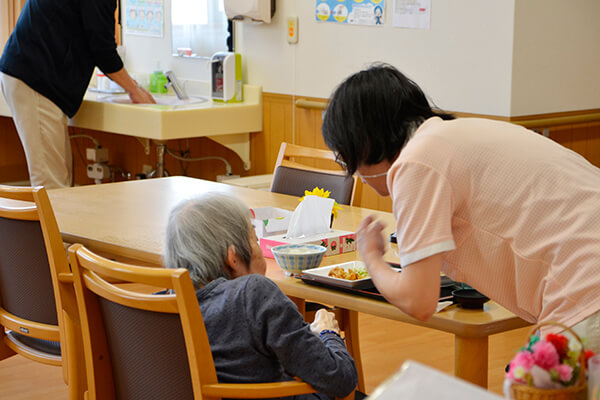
554 363
323 193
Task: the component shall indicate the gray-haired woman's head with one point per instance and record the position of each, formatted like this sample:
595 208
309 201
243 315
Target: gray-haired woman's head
200 232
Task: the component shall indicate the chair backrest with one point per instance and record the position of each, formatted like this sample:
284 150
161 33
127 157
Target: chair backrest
26 287
37 300
149 340
31 256
293 178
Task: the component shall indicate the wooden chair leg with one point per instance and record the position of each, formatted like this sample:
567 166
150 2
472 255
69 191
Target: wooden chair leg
349 319
5 351
75 363
301 304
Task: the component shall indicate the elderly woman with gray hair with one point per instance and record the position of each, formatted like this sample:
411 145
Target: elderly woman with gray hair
256 333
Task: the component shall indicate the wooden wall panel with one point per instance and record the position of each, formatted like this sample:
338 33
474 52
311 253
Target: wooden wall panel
13 165
583 139
308 124
366 197
282 121
277 127
592 149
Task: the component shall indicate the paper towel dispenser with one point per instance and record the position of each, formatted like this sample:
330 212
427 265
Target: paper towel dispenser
257 10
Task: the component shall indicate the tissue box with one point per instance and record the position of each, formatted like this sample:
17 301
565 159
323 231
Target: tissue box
337 242
269 221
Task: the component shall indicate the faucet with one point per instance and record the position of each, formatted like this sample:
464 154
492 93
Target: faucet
177 87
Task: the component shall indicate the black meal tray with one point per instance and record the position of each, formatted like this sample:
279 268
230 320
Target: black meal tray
446 288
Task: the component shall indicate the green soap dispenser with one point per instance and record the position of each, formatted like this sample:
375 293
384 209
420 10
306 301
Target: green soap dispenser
158 80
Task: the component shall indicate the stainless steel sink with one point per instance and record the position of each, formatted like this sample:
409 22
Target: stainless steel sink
161 100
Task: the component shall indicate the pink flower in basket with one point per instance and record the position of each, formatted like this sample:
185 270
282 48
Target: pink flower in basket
545 355
565 372
520 367
549 363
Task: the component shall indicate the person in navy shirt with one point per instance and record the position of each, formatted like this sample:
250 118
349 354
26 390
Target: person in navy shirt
45 70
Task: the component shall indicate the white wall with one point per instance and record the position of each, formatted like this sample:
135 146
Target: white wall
493 57
142 53
556 56
463 62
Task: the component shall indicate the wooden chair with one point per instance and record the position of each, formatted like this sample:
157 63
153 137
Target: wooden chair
293 178
143 345
38 314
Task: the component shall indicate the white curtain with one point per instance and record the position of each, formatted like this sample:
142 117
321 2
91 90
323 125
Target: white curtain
9 13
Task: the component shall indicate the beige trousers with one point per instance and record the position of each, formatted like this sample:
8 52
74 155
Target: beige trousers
42 128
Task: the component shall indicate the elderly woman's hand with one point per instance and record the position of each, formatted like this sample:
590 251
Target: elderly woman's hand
324 320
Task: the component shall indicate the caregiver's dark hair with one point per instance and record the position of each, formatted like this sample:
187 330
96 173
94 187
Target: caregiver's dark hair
372 114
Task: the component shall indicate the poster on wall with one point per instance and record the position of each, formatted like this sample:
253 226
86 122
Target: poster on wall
414 14
354 12
144 17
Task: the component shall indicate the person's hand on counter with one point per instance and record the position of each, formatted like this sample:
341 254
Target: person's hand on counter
137 94
141 95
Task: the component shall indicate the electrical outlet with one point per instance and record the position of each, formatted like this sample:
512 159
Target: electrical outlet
223 178
146 169
98 171
97 155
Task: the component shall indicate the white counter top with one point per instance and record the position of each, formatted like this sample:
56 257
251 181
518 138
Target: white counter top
165 122
228 124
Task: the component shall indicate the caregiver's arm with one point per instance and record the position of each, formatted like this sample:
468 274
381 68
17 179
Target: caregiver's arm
416 289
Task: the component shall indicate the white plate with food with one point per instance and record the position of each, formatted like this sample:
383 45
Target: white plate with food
351 274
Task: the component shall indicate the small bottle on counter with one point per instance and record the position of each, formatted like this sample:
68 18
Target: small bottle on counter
102 81
158 80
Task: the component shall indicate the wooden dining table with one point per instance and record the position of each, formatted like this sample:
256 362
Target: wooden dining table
127 221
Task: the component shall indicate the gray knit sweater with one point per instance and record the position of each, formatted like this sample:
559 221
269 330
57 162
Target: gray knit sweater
257 335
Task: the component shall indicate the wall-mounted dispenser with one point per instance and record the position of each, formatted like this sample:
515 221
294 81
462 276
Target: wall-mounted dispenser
226 77
257 10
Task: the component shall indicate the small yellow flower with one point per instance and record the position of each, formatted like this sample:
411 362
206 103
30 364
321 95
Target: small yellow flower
575 346
323 193
519 372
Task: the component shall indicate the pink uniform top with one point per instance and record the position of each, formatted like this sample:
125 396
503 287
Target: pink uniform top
516 215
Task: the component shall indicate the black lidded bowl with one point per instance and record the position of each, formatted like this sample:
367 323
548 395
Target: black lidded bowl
469 298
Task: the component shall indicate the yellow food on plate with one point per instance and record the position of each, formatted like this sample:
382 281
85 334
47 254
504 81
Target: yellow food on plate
350 274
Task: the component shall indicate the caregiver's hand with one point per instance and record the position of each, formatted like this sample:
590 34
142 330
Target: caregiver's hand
370 240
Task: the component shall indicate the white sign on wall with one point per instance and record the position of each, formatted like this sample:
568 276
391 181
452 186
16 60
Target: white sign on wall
353 12
144 17
414 14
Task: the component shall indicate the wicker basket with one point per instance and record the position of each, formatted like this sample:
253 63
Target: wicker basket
575 392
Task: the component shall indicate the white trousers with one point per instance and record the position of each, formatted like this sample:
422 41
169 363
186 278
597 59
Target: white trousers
42 128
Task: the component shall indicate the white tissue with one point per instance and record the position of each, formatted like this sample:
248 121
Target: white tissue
312 216
443 304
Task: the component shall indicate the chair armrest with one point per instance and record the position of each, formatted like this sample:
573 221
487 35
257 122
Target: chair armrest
257 390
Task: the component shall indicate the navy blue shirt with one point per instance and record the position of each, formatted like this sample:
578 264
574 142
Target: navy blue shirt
56 45
256 334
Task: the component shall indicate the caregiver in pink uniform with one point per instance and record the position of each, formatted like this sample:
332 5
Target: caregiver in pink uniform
489 203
